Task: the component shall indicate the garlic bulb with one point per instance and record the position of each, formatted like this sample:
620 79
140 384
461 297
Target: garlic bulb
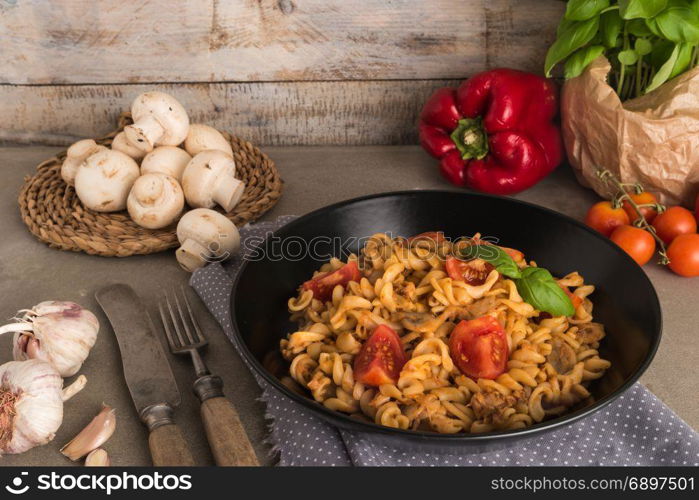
31 405
61 333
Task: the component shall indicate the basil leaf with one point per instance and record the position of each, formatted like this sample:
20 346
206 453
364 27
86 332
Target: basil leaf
563 25
582 10
663 74
627 57
610 26
643 46
679 24
639 27
645 9
502 262
684 58
575 36
538 288
581 59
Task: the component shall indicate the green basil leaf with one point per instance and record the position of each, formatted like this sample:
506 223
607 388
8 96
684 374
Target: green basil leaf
643 46
582 10
684 58
538 288
639 27
627 57
645 9
679 24
663 74
662 49
575 36
563 25
580 60
502 262
610 26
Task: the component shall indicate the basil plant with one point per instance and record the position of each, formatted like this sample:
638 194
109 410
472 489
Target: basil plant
648 42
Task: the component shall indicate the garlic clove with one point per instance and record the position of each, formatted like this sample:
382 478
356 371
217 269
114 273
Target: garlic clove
97 458
74 388
97 432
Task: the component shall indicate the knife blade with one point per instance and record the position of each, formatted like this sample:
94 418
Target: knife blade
147 372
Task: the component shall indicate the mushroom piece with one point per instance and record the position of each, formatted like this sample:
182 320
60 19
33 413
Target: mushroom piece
205 236
202 137
155 201
104 180
168 160
120 143
75 155
210 179
159 120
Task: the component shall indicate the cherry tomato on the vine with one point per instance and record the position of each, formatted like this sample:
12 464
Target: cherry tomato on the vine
683 253
636 242
604 218
673 222
644 198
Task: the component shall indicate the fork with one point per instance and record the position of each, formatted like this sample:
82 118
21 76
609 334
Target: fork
228 441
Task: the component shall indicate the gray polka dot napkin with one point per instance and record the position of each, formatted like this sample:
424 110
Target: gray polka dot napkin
637 429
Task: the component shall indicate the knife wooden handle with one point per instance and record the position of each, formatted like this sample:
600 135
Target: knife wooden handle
227 438
168 447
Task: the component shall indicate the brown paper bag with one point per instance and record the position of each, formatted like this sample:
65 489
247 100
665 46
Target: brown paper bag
653 139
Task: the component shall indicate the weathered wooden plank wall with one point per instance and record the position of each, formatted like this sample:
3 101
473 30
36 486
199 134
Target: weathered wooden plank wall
273 71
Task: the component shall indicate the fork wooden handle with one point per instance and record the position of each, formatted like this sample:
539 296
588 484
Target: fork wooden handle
228 441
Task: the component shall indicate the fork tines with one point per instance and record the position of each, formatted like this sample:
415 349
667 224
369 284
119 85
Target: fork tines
187 334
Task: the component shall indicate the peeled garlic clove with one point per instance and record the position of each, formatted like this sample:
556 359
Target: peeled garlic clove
31 405
60 333
97 458
97 432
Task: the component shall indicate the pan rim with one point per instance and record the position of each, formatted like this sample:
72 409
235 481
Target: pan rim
345 421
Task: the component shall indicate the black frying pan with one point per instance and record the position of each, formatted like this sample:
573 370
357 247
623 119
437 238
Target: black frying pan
624 300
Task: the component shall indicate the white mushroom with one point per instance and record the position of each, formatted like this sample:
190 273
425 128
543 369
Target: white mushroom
159 120
155 201
210 179
119 143
202 137
168 160
205 236
104 180
75 155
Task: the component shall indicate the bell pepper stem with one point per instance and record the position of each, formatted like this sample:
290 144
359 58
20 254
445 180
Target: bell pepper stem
471 139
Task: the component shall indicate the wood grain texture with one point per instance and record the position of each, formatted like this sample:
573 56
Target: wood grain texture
101 41
274 113
168 447
229 442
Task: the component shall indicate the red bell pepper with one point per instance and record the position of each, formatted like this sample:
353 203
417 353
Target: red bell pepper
496 132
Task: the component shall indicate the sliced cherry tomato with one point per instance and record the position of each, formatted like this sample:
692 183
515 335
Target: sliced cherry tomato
516 255
573 298
437 236
479 347
683 253
644 198
474 272
673 222
380 359
604 218
323 284
636 242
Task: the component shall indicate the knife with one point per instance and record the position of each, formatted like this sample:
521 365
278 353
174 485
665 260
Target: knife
147 373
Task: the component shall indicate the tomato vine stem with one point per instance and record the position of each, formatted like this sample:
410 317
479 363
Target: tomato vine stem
622 195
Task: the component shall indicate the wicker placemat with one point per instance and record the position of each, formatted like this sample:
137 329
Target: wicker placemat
53 213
